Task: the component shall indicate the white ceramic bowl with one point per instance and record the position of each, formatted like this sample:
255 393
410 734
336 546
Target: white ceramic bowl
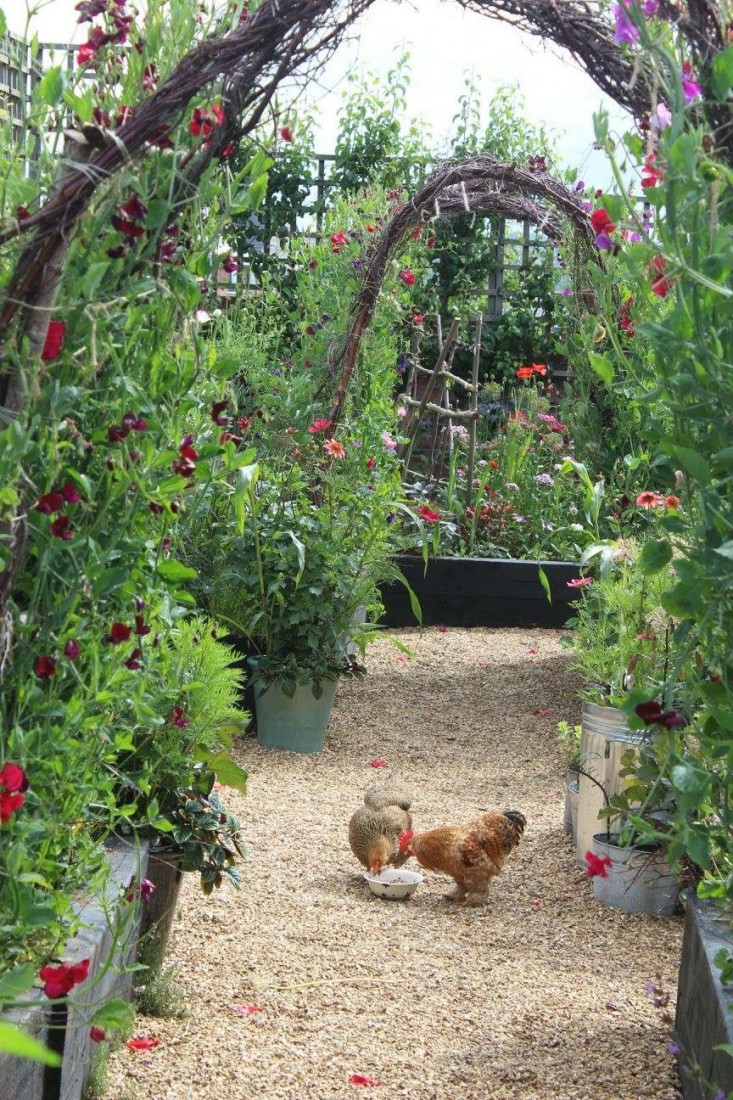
393 883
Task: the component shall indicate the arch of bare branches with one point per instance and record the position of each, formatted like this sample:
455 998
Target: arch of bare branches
475 185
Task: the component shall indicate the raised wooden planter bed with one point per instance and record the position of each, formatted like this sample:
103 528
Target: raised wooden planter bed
481 592
704 1017
62 1028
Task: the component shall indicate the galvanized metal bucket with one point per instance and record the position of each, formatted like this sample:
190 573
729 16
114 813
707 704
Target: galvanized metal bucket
638 880
604 739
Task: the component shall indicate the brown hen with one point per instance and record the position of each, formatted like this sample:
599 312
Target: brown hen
374 830
472 854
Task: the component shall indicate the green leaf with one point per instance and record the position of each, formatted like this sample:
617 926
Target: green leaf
16 1042
228 772
115 1014
175 571
655 554
109 580
83 106
51 87
692 462
722 71
246 481
602 367
185 286
544 581
3 23
17 981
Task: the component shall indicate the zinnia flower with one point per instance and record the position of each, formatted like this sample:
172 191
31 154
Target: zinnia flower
318 426
334 448
428 514
579 582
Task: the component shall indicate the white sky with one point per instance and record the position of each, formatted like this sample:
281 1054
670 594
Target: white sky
445 42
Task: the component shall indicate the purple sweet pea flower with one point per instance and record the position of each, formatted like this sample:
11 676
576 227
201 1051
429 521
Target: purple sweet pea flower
604 242
660 118
626 32
691 90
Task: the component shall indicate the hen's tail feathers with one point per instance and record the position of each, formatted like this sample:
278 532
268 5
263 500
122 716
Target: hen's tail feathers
387 794
517 819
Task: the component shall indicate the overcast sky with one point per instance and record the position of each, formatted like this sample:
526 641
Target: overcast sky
445 42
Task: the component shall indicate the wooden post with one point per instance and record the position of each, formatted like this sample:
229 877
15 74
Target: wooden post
415 417
474 407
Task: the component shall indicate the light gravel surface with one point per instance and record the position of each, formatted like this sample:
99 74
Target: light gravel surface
540 995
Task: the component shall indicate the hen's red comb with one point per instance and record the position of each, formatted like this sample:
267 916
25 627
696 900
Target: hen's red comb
405 838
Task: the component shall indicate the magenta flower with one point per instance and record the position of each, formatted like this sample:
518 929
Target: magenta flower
146 889
50 503
133 661
691 90
626 32
597 865
71 649
579 582
178 718
70 493
217 409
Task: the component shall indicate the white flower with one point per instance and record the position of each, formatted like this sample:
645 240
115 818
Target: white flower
576 527
202 316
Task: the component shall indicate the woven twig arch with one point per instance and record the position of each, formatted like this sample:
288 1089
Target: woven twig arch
470 185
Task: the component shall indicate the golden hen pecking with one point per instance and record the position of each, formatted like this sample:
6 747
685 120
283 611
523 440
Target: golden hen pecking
375 828
471 854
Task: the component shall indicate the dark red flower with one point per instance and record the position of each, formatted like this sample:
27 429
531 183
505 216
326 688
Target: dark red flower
229 264
229 437
100 117
406 276
118 633
286 133
428 514
70 493
123 225
155 508
228 150
184 466
97 1034
85 53
124 114
60 980
371 463
150 79
9 803
133 208
140 627
116 434
178 718
217 409
133 661
54 340
597 865
45 667
71 649
22 213
117 252
50 503
652 713
60 528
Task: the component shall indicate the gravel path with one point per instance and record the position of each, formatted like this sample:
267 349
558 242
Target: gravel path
538 996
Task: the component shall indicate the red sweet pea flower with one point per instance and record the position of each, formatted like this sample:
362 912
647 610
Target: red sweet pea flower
652 714
229 264
97 1034
539 368
124 114
427 513
45 667
286 133
22 213
217 408
651 175
50 503
60 980
125 226
150 79
319 426
133 661
597 865
178 718
657 274
601 222
417 318
70 493
338 239
406 276
133 208
142 1044
14 782
140 627
118 633
54 340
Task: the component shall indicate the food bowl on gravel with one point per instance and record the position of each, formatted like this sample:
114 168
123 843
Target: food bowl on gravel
389 883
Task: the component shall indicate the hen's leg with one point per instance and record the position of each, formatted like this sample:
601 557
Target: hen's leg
458 894
476 886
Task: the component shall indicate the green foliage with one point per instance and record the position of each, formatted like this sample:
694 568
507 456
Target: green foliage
161 995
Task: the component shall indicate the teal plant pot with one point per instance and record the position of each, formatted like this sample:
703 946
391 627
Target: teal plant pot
296 725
